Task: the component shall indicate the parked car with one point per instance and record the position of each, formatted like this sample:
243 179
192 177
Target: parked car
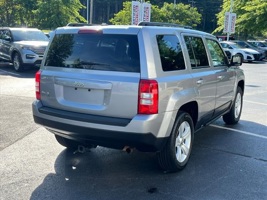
224 37
148 87
258 44
247 55
246 45
24 47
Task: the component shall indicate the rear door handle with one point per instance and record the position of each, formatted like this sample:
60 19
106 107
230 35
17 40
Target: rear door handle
200 81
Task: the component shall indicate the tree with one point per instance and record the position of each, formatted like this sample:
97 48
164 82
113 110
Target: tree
51 14
179 14
40 13
251 17
8 14
17 12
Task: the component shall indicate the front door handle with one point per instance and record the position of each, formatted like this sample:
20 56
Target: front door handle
220 77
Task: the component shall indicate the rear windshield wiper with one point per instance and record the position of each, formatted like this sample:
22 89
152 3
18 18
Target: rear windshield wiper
88 65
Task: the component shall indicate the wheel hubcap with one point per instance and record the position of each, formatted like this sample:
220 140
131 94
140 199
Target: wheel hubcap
183 142
238 103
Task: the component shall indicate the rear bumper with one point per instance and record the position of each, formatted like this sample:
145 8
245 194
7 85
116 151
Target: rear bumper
112 139
103 131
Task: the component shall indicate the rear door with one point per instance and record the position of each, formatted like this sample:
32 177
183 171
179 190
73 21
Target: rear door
204 76
93 73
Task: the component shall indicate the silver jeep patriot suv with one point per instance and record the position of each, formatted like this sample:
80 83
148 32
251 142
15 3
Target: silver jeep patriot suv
148 87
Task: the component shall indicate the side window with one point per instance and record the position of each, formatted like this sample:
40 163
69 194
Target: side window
217 55
197 52
5 35
171 54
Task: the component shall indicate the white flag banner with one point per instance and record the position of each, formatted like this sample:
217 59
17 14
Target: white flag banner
146 12
136 6
229 22
226 22
232 20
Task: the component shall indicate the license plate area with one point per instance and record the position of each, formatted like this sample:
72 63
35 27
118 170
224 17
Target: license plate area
83 95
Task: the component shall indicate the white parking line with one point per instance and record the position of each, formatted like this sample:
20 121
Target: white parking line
264 104
239 131
10 72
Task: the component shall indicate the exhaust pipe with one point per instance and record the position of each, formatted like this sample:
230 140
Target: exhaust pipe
127 149
82 149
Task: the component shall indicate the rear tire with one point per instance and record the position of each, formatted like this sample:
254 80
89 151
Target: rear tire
175 154
17 63
234 115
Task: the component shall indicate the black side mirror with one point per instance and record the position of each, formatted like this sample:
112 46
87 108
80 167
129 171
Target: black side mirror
236 60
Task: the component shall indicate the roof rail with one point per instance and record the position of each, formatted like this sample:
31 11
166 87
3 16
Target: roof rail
162 24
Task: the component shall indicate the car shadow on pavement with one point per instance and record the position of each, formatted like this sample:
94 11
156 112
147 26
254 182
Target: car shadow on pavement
6 69
103 173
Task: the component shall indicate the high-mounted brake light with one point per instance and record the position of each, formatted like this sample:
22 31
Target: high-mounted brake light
37 85
148 97
88 31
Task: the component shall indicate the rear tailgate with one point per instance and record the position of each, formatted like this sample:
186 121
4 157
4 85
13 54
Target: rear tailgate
97 93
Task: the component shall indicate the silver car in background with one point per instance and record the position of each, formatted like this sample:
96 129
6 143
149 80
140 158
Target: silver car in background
24 47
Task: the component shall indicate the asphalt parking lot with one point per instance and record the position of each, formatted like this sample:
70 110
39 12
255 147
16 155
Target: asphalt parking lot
227 162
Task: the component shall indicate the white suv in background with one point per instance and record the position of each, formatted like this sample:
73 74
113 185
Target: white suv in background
148 87
247 54
24 47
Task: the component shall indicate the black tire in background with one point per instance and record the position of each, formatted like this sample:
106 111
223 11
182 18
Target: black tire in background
17 62
175 155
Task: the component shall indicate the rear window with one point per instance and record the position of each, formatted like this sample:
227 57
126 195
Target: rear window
109 52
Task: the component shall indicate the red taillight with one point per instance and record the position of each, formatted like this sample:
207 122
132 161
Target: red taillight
148 97
37 85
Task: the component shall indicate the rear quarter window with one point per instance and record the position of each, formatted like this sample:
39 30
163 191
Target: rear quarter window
109 52
170 51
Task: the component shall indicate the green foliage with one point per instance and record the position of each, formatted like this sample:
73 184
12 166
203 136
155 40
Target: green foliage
251 17
179 14
52 14
39 13
124 16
